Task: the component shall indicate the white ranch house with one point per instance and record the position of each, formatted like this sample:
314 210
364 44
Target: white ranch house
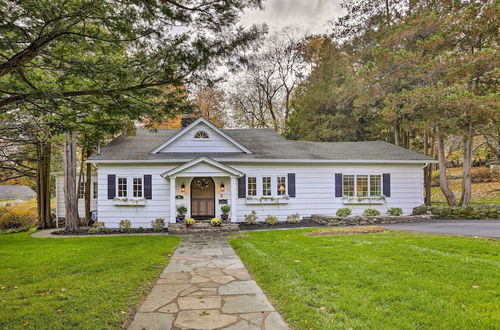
202 167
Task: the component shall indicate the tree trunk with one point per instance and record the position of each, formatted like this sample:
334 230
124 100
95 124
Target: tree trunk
396 135
43 185
70 191
427 173
466 177
88 188
443 183
78 184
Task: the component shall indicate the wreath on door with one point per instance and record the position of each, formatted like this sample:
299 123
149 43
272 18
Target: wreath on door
202 183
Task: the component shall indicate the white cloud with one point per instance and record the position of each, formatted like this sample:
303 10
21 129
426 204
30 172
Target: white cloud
310 15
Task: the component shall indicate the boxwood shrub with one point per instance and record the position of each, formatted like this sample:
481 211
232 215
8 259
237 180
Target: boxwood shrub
466 213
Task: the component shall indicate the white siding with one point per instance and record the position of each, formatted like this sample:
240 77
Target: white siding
315 190
187 142
60 206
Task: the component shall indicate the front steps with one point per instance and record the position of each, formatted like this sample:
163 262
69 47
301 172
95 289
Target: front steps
200 227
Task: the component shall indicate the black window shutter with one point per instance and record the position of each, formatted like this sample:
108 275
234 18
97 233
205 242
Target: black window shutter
291 184
111 186
242 187
338 184
148 187
386 181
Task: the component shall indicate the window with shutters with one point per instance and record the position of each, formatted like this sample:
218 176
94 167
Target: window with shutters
252 186
137 187
361 185
122 187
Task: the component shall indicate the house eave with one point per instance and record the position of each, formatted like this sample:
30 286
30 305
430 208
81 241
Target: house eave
260 160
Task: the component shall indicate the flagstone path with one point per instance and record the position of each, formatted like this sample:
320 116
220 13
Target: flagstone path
206 286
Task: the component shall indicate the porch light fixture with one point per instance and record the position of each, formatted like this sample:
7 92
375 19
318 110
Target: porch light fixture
183 187
222 187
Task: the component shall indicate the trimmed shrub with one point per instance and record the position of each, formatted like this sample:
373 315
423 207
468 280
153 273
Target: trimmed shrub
181 209
225 208
125 225
469 212
19 217
93 230
251 218
420 210
140 230
293 218
395 211
158 224
271 220
99 224
343 212
371 213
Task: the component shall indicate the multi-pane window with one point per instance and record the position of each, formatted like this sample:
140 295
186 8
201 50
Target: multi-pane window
201 135
281 185
362 185
95 190
348 185
252 186
122 187
375 185
266 186
81 190
137 187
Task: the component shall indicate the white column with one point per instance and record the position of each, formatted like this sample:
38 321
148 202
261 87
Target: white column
173 211
234 200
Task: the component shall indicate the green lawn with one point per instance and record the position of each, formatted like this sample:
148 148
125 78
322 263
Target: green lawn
386 280
86 283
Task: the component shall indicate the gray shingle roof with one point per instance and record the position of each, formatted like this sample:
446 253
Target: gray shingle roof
8 192
264 144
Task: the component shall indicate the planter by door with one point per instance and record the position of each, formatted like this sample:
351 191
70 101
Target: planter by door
202 198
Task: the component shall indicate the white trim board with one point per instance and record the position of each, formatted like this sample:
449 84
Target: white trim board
194 124
202 159
256 160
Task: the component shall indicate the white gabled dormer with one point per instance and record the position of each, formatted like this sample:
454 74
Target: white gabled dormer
201 136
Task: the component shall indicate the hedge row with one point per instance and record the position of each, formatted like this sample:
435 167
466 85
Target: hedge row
18 217
465 213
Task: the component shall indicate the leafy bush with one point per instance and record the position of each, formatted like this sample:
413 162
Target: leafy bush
395 211
469 212
251 218
225 208
158 224
93 230
215 222
140 230
420 210
19 217
125 225
484 175
106 230
181 209
343 212
371 213
271 220
99 224
293 218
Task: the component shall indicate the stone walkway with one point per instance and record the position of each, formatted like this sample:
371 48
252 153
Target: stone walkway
206 286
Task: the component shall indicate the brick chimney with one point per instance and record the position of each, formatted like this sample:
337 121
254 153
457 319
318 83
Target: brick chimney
186 120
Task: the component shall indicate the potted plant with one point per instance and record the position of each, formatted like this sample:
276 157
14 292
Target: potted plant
181 210
225 211
190 222
216 222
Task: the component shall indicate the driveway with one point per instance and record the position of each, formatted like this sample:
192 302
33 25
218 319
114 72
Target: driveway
485 228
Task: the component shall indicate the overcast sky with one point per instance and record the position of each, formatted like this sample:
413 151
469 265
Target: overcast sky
312 15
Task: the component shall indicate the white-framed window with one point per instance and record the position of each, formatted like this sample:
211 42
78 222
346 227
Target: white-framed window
201 135
137 187
362 185
252 186
81 190
95 191
121 187
281 185
266 186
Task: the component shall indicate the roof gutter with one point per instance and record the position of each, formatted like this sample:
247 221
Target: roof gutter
243 160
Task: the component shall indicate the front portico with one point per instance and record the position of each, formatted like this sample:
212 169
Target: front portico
203 185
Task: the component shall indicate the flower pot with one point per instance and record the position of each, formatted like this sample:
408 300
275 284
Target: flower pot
189 225
180 218
224 216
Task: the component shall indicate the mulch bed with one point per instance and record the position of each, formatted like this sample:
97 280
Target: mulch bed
349 230
107 232
281 224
